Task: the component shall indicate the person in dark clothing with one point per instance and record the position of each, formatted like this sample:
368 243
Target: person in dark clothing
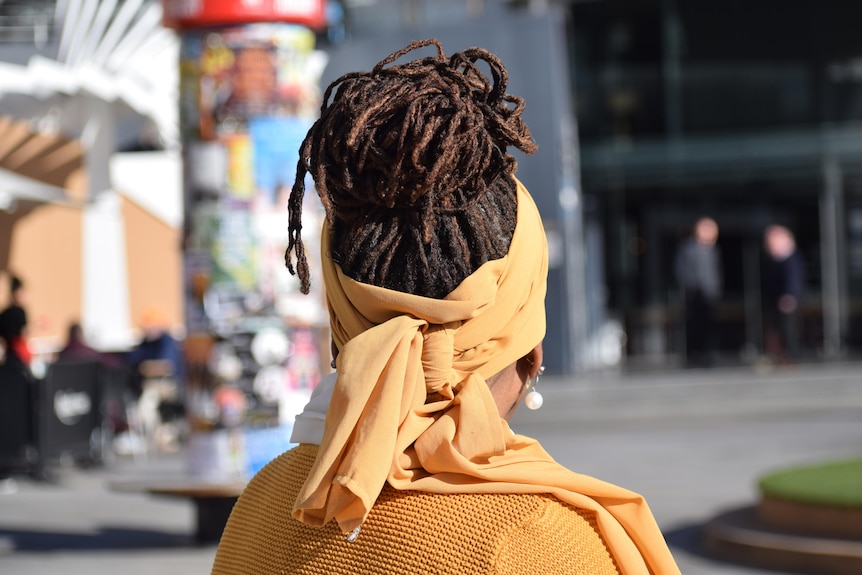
16 357
114 396
158 355
783 286
77 348
13 327
158 381
698 271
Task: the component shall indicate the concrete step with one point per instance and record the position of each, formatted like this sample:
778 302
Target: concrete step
812 520
739 536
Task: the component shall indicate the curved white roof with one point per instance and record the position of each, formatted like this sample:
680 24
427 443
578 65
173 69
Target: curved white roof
115 51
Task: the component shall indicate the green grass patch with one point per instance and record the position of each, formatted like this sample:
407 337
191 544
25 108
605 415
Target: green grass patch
837 484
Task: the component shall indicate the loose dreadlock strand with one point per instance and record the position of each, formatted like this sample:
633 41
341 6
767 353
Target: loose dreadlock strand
411 165
295 244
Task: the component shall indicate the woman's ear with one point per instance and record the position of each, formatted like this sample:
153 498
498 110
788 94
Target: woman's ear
529 365
536 356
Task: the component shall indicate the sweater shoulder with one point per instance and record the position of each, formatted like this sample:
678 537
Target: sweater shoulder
406 532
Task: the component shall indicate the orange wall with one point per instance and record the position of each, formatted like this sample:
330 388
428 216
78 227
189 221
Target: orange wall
154 261
45 251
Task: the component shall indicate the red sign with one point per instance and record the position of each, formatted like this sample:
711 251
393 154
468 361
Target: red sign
184 14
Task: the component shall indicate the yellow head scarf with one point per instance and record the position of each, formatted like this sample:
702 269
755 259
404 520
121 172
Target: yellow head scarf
411 405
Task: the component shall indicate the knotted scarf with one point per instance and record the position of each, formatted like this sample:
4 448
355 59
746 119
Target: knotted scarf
410 404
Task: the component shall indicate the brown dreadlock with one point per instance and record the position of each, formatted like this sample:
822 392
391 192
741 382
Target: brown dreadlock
410 163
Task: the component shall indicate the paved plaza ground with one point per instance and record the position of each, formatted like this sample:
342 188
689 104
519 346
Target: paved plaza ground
692 442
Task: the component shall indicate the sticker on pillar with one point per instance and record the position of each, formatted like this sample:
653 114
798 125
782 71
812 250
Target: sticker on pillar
250 88
215 64
276 141
270 346
207 164
240 176
303 365
198 272
234 251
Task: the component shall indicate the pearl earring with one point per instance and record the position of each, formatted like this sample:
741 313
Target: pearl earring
534 399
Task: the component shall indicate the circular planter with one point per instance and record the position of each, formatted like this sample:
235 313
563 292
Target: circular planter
811 519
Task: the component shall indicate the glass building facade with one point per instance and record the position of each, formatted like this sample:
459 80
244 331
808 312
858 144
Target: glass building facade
748 112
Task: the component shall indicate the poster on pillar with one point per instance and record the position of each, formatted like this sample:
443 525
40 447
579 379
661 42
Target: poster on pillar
249 93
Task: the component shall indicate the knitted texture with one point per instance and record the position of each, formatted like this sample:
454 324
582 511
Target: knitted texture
408 532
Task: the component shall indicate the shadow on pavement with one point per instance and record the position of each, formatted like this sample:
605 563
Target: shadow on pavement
107 538
690 539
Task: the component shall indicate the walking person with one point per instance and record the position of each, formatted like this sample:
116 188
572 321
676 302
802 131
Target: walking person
434 262
13 328
158 381
698 272
16 364
783 286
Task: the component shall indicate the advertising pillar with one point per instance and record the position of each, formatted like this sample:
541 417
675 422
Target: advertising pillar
255 346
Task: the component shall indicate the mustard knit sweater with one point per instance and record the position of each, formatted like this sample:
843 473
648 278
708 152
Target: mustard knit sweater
408 532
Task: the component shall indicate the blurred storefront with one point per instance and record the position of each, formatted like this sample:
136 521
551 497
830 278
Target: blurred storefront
748 112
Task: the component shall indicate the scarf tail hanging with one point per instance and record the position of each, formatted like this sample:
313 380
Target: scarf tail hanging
379 400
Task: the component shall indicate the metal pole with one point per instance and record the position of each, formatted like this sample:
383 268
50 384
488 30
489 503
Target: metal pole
752 290
830 206
671 49
571 222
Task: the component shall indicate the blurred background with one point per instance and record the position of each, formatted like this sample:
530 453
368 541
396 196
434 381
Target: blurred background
147 148
648 114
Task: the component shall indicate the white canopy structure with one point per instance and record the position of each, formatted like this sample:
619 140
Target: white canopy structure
115 52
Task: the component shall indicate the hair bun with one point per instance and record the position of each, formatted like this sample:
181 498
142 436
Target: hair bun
411 140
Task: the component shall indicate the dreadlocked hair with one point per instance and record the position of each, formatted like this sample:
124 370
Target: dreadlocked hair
411 166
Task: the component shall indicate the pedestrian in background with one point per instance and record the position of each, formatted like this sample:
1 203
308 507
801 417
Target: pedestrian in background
698 272
16 360
13 328
77 348
783 286
158 381
158 355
